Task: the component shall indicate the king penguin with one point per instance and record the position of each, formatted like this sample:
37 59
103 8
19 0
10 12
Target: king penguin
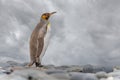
39 40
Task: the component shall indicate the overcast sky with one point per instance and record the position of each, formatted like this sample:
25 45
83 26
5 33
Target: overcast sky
83 31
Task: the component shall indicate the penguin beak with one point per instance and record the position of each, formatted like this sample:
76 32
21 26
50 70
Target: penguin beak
52 13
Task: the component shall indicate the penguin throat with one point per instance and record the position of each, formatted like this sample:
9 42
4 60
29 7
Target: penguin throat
43 21
48 26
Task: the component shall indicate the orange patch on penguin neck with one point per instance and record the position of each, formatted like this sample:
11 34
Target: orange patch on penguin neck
44 17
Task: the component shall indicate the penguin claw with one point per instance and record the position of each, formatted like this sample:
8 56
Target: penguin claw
38 65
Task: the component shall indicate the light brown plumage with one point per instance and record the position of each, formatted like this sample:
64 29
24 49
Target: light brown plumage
37 39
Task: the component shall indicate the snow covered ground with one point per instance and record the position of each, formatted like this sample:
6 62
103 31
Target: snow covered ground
12 70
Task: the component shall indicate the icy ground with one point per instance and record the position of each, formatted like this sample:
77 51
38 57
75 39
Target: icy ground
12 70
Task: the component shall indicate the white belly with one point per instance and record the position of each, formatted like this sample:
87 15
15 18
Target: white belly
46 42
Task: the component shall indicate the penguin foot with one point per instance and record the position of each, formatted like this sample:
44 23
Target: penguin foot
38 64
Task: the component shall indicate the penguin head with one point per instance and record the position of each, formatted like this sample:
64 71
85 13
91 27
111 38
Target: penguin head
46 16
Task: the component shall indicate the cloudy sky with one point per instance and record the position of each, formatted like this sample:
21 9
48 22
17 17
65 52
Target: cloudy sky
83 31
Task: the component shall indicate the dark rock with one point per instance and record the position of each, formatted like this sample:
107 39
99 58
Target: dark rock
30 77
55 71
62 67
73 68
8 71
94 69
88 69
5 71
49 66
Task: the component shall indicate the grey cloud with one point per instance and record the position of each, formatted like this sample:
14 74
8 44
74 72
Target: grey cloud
83 32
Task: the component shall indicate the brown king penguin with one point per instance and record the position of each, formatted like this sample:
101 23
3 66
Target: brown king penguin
39 40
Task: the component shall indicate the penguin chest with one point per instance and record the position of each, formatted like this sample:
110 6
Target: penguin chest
47 35
46 40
